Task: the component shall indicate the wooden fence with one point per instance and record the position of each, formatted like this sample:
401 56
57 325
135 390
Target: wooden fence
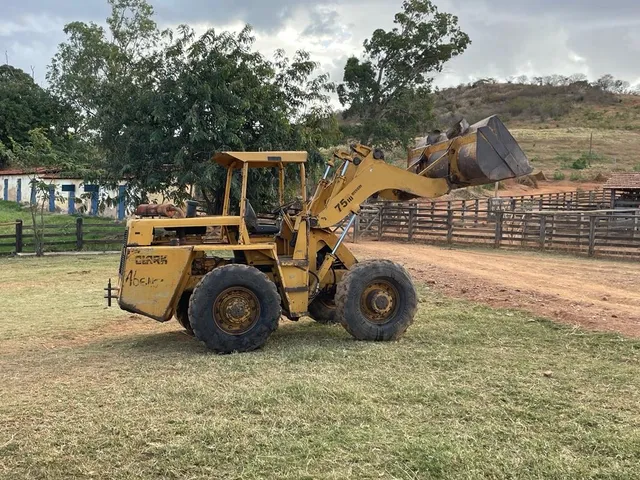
595 233
577 222
577 200
82 235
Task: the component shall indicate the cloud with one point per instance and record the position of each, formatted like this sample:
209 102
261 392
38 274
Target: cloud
545 37
264 15
510 37
325 23
29 24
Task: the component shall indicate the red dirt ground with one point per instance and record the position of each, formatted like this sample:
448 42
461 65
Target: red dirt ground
595 294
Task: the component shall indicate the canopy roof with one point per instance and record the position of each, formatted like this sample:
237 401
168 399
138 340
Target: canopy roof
623 181
258 159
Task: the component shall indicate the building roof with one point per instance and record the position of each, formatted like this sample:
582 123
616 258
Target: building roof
46 173
623 181
21 171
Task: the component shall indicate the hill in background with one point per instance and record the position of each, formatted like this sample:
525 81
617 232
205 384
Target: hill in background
554 124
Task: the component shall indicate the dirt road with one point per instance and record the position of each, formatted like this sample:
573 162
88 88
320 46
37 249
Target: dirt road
595 294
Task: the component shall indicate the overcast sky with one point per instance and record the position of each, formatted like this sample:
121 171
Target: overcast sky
510 37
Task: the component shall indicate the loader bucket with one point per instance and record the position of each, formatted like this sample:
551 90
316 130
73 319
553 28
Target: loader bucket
485 153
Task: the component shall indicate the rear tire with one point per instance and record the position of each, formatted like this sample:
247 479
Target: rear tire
323 308
234 308
376 301
182 312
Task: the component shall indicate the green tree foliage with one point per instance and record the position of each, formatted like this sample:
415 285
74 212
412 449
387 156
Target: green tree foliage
159 103
387 94
25 106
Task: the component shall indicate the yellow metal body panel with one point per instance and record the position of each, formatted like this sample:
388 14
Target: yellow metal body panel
213 247
213 221
153 279
295 286
294 273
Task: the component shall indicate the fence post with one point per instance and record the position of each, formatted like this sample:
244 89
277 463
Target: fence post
412 211
525 225
477 211
543 230
498 236
380 219
449 224
18 236
592 235
79 236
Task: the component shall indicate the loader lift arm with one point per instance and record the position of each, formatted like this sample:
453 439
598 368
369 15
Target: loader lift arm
371 177
474 155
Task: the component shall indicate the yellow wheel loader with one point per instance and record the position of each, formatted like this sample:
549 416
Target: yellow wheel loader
228 279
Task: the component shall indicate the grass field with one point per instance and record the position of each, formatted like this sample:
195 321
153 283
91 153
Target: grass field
555 149
470 392
58 228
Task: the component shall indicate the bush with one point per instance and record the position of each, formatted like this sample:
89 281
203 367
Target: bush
517 106
558 175
581 163
566 161
586 159
636 167
576 177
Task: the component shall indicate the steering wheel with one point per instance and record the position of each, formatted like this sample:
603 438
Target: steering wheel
282 209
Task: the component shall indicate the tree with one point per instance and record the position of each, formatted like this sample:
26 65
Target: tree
159 103
387 93
25 106
608 83
577 78
36 156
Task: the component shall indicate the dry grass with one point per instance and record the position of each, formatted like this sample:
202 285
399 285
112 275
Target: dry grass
95 393
551 149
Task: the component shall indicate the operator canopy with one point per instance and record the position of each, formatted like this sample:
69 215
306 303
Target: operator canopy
258 159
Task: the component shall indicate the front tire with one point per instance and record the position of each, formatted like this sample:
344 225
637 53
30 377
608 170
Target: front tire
234 308
376 301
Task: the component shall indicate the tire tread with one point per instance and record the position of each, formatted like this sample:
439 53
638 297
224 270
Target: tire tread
351 319
219 341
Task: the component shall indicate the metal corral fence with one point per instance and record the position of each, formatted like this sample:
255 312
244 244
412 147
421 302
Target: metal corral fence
510 223
577 222
79 234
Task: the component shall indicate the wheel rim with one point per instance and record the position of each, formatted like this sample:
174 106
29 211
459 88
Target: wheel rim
236 310
379 301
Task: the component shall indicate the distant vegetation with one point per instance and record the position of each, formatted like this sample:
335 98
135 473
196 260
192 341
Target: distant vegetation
541 99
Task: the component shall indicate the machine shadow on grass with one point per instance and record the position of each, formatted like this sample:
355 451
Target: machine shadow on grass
289 336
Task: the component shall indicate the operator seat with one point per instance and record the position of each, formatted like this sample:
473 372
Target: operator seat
251 220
